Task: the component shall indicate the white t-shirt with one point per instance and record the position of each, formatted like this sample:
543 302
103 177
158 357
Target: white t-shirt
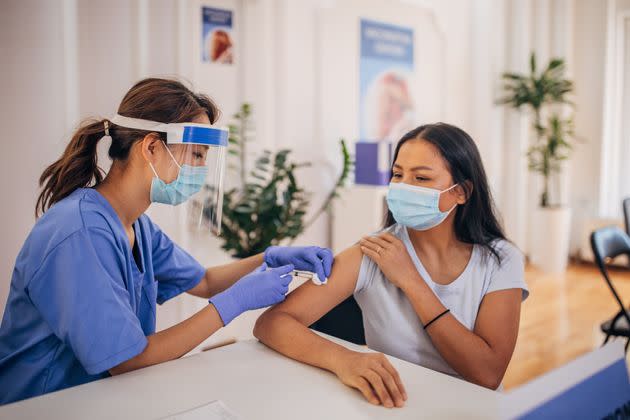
392 325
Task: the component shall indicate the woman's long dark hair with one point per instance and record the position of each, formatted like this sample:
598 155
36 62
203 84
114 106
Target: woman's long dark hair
476 221
163 100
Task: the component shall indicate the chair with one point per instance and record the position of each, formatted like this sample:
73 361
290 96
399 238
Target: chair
344 321
626 214
610 242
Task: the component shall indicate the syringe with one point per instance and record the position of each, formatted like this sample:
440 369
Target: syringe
309 276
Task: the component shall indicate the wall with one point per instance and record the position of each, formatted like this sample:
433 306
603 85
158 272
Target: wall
79 58
76 58
590 33
504 34
315 85
32 115
68 60
615 147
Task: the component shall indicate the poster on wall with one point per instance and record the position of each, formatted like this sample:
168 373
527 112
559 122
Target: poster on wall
386 77
217 39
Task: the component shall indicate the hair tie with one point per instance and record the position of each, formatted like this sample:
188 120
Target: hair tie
106 124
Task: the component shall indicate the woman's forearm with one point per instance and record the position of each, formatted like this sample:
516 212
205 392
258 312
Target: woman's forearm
175 341
288 336
222 277
466 352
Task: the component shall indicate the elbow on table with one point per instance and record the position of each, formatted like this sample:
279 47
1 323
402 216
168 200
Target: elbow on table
492 383
269 322
137 362
262 324
489 379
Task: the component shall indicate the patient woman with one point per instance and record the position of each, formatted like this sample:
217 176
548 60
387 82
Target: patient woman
439 286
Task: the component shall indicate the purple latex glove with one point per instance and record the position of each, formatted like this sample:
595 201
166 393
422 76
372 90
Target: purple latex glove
260 288
307 258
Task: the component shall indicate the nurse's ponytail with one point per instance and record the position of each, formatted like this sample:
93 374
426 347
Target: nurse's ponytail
163 100
76 168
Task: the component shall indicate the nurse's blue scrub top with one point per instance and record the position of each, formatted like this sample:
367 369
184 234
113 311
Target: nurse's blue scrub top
79 304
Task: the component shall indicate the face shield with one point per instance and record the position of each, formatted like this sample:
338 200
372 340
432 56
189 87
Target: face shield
188 169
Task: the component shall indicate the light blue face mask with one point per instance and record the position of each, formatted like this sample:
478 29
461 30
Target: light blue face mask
189 181
416 207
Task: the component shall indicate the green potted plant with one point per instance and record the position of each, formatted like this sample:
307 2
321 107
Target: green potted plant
544 94
269 206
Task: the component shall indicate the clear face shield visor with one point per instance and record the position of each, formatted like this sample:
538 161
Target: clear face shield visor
188 170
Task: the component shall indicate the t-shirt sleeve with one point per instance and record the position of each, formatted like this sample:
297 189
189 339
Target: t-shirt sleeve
80 292
367 271
510 273
175 270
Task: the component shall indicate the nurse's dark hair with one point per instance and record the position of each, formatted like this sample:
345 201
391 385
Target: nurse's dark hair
476 221
163 100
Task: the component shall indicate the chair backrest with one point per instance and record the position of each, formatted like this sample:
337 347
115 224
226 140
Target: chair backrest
344 321
626 214
610 242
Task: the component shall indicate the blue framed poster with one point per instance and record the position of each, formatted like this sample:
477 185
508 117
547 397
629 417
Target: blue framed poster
217 38
386 103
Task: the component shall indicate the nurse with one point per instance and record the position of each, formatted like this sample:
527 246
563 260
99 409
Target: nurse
84 289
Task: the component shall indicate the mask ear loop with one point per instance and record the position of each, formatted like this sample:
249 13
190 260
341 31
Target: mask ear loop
153 169
446 190
172 157
449 188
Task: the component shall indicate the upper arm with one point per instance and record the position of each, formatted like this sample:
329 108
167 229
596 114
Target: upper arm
498 321
310 302
175 270
500 309
81 294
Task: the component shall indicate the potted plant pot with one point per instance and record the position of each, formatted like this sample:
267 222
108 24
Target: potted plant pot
551 235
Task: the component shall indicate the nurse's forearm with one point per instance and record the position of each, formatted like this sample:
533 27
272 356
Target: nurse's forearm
288 336
466 352
223 276
175 341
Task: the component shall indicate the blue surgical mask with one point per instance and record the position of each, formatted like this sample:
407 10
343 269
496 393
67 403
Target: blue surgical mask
416 207
189 181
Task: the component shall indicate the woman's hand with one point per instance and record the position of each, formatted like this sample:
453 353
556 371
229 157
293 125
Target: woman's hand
392 258
374 376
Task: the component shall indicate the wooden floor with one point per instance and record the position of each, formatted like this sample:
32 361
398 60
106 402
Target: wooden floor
560 319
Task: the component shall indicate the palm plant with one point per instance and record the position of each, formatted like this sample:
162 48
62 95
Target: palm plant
536 91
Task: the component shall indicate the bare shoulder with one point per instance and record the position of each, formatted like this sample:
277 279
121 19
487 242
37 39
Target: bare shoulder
343 277
347 261
309 302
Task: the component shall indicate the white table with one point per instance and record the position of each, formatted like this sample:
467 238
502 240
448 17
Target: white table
255 383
